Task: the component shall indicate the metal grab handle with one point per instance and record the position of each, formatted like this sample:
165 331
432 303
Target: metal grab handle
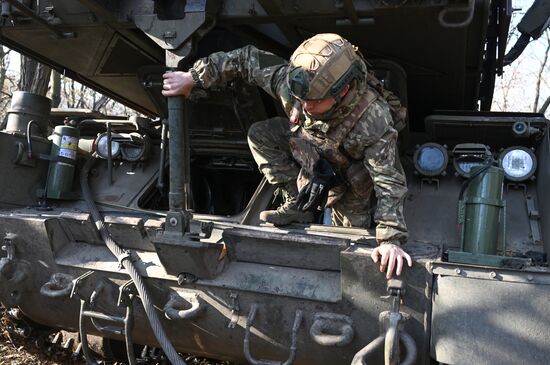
391 346
406 339
334 323
128 322
410 348
293 337
14 271
469 8
60 285
125 298
359 358
173 311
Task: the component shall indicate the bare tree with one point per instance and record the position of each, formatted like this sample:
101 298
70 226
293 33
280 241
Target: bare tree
56 89
544 106
35 77
3 67
64 92
507 86
540 74
525 84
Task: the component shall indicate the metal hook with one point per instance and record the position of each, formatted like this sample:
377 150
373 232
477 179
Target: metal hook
292 354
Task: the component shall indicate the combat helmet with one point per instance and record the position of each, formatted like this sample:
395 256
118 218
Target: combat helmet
322 66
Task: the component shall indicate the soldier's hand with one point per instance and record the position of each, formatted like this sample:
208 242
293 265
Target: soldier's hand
391 257
177 83
314 195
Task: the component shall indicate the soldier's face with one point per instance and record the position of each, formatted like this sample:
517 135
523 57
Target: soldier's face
318 107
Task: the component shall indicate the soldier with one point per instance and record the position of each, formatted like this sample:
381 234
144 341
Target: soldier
339 145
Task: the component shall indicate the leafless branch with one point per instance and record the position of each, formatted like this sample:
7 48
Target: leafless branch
545 105
541 72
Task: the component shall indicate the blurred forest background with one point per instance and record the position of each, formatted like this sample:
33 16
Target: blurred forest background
525 84
18 72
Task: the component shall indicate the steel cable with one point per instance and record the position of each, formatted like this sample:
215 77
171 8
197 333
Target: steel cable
125 260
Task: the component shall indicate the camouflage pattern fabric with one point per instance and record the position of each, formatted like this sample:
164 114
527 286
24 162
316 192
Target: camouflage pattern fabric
269 142
373 140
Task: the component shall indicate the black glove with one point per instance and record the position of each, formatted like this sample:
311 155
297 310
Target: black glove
315 193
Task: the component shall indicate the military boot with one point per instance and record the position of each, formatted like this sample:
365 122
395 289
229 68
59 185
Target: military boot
288 212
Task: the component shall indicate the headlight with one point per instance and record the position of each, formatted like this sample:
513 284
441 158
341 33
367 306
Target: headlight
102 149
136 148
519 163
430 159
130 147
469 155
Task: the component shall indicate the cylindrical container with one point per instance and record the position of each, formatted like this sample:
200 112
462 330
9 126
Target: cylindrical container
62 166
26 106
482 219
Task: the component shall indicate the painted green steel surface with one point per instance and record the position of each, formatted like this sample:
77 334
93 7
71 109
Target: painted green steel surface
484 204
61 174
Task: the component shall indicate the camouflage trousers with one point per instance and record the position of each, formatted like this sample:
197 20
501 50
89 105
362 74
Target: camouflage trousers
269 142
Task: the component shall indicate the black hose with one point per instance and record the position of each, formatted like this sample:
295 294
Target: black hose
125 260
29 140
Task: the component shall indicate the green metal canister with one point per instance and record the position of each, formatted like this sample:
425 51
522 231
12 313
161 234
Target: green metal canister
62 165
482 208
26 106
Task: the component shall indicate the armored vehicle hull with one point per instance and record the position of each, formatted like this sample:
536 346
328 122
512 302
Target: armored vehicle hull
113 227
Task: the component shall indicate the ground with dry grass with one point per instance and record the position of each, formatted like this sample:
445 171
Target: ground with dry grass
21 345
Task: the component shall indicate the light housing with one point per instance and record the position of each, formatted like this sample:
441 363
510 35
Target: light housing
469 155
430 159
136 148
519 163
101 148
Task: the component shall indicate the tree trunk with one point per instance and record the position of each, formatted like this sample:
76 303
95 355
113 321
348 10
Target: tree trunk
100 103
35 77
56 89
545 106
3 68
3 98
541 73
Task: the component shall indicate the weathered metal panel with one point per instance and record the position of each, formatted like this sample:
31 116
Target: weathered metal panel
486 316
321 286
308 252
20 189
364 286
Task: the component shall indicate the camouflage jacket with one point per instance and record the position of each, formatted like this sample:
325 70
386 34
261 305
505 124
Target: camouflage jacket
372 140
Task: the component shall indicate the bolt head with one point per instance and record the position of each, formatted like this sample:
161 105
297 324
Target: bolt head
493 274
458 271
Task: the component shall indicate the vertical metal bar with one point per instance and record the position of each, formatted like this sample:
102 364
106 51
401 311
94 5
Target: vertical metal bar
178 156
83 339
350 11
128 328
163 146
187 155
109 153
503 228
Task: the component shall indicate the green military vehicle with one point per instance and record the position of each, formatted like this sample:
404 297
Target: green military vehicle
145 230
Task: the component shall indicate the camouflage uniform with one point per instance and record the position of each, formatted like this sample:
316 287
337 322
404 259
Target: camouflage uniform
372 139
